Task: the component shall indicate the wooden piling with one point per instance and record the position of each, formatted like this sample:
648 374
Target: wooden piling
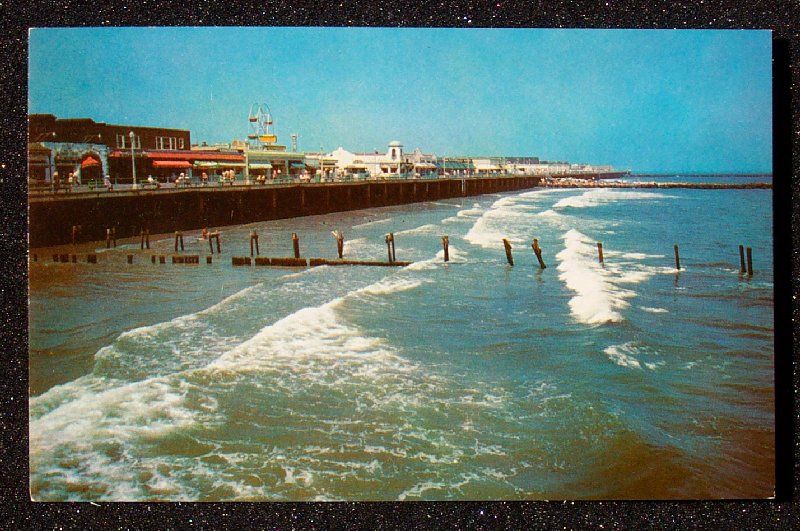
677 258
108 238
208 259
749 262
339 242
296 245
91 258
394 254
388 247
600 252
74 258
509 257
178 238
64 258
211 237
141 239
742 267
114 236
253 240
446 247
153 258
241 260
147 238
538 252
162 259
74 233
55 258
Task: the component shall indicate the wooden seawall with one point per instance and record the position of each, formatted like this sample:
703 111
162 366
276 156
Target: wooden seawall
164 211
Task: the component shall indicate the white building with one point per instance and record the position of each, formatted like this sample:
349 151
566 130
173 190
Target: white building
487 165
393 163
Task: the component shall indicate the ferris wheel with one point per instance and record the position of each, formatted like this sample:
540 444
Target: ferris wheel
260 119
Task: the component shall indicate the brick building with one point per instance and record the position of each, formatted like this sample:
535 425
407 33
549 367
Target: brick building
76 140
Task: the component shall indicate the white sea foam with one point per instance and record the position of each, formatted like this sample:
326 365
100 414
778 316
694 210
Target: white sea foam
623 356
424 229
390 285
653 310
419 488
549 213
470 212
504 219
597 299
599 196
626 355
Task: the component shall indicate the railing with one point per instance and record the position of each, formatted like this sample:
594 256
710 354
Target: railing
98 188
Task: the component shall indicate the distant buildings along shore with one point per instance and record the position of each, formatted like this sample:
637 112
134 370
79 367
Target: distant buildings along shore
97 151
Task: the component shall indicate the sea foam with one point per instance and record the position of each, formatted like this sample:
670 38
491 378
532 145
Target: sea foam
597 299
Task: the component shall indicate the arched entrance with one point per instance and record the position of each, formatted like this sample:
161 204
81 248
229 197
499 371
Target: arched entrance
91 168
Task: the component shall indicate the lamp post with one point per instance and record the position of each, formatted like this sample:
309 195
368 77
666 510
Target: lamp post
52 156
133 161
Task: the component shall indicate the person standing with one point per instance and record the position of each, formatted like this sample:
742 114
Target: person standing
56 182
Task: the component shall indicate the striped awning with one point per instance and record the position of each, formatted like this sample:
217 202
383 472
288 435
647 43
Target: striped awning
214 165
260 166
174 164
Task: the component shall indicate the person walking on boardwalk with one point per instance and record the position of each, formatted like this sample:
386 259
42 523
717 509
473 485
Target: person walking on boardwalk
56 182
70 179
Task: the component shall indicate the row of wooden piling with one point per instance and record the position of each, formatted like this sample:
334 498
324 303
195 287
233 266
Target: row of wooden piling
538 252
214 237
305 262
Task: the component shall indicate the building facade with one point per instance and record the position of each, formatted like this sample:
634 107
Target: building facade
116 148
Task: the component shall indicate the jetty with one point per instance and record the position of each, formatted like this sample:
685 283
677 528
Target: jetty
567 183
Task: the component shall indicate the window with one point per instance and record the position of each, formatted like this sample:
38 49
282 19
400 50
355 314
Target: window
168 142
123 141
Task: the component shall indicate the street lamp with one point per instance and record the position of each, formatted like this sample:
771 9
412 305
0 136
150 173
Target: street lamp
133 161
53 157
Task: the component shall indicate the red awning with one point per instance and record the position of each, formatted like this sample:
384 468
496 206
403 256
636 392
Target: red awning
178 164
89 162
195 155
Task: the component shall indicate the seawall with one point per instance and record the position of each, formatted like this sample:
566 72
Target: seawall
51 217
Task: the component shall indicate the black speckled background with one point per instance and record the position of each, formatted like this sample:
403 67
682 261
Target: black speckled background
18 512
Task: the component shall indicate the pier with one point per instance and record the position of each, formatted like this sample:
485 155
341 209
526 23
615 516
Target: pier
129 213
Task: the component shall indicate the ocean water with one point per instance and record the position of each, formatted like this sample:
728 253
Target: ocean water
437 381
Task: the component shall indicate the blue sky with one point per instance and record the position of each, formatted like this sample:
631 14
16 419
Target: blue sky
649 100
